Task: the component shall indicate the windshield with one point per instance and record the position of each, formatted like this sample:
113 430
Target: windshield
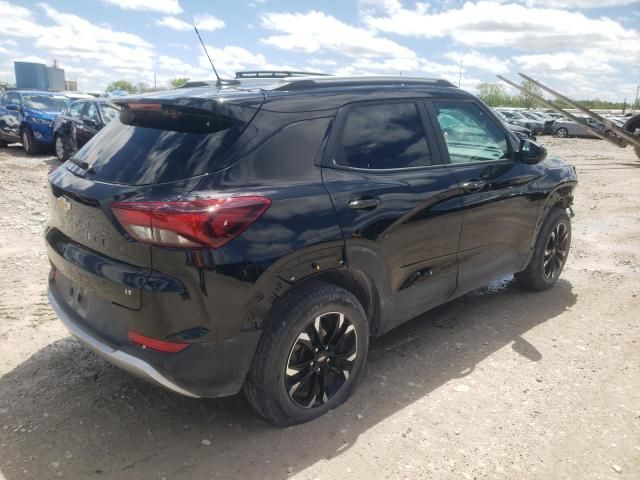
43 102
109 112
512 115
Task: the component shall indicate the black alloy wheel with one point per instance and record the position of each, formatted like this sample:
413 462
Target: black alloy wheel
555 253
321 360
311 354
550 252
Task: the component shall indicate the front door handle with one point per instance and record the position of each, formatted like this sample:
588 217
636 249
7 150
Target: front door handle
473 186
364 203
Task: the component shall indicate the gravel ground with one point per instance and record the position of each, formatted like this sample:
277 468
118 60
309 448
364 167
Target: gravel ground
502 383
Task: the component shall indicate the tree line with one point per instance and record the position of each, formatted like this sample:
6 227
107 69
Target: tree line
495 95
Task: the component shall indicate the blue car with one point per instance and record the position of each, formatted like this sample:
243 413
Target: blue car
27 116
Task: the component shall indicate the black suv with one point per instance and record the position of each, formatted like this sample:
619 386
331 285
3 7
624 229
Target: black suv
257 236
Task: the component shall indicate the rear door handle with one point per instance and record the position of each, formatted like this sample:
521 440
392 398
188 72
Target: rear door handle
364 203
473 186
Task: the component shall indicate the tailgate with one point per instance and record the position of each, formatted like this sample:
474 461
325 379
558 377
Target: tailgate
87 247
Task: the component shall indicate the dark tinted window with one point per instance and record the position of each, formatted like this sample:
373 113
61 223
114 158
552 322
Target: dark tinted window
168 146
383 137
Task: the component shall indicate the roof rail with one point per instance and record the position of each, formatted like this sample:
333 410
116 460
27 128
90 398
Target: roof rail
358 81
278 74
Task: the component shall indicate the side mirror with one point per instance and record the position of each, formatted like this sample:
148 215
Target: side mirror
531 152
13 106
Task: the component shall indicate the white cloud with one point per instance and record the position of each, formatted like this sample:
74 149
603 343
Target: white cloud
494 24
588 62
487 63
170 7
205 22
316 32
579 3
75 43
174 23
322 61
208 22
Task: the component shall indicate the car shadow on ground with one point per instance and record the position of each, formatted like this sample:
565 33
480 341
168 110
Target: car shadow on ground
66 412
46 154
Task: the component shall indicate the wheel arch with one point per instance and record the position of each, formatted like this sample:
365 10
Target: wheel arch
632 124
560 197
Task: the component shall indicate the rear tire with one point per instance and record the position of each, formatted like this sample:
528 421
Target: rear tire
28 142
562 132
310 356
550 252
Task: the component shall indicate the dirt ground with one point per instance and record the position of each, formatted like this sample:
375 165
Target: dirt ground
502 383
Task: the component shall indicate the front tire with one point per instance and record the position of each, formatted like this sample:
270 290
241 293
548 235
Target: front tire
550 252
562 132
311 355
61 150
28 143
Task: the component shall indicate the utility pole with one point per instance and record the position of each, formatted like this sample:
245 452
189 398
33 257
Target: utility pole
460 75
636 106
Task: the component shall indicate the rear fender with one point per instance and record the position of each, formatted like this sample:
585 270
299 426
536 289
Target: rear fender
287 273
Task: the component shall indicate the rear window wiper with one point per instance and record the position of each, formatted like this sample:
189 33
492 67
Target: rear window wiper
83 165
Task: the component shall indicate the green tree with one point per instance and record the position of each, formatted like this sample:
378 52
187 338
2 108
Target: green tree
178 82
492 94
121 85
529 101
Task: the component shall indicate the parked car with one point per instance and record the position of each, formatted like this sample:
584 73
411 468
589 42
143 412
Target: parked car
212 240
79 123
569 128
547 121
521 133
27 117
511 116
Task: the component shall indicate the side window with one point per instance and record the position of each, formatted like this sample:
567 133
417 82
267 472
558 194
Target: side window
91 112
3 99
13 97
470 135
109 112
382 137
75 110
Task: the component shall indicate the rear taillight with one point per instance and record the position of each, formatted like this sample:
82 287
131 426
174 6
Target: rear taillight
196 223
155 344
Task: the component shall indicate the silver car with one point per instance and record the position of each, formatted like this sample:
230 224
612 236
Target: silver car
513 116
566 128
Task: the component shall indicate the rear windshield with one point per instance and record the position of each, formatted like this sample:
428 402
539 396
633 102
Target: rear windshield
150 144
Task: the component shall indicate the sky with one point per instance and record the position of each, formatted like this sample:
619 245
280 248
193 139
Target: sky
583 48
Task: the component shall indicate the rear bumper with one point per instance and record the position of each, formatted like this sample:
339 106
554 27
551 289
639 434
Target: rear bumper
117 357
203 370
